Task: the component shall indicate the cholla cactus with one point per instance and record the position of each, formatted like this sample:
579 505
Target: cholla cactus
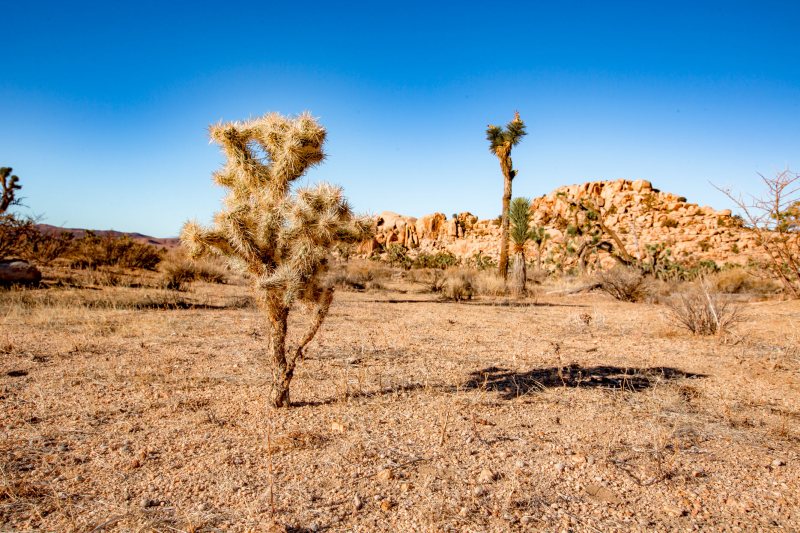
279 237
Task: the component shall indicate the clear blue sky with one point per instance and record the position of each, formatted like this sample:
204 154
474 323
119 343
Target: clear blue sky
104 106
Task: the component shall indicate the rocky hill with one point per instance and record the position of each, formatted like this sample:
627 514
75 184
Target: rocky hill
170 242
639 214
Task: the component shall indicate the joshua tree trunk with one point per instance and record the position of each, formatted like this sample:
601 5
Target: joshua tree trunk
519 275
505 165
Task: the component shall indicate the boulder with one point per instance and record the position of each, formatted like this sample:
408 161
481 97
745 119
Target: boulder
18 272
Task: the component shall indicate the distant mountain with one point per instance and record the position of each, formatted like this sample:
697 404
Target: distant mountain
170 242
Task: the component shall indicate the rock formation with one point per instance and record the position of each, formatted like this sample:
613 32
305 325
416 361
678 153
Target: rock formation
638 213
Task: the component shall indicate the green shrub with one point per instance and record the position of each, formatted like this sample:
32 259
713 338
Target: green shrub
440 260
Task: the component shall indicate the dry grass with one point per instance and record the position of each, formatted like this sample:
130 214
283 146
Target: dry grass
702 311
412 414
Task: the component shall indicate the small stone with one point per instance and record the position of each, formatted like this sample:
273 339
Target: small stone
486 476
337 427
478 491
673 511
147 503
777 462
519 463
405 486
357 502
385 475
526 519
560 467
386 505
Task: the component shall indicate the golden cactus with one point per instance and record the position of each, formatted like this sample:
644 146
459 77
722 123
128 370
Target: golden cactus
280 237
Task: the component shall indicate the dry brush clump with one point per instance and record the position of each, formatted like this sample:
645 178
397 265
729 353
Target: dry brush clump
92 251
177 270
359 275
624 283
702 311
281 238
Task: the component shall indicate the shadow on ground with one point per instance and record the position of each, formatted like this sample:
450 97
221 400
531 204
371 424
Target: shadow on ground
514 384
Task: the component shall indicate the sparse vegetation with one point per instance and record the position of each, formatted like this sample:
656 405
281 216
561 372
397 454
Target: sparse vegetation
92 251
702 311
775 220
624 283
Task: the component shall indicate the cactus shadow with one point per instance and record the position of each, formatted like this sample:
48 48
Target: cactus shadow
512 384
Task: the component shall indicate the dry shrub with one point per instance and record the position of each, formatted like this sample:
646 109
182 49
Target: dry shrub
457 285
488 283
740 280
92 251
624 283
15 234
44 248
431 278
177 270
702 311
360 275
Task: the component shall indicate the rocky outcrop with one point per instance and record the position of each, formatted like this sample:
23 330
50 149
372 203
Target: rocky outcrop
18 272
640 215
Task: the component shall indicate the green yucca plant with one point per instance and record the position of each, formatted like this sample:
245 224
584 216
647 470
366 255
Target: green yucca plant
501 141
280 237
521 232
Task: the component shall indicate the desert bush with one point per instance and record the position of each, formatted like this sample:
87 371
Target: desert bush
44 248
488 283
739 280
15 235
457 285
702 311
440 260
177 270
478 261
624 283
397 256
359 275
774 219
92 251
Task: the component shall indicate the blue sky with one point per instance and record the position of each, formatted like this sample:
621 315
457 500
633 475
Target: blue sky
104 106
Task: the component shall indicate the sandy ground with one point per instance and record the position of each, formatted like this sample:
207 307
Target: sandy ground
568 413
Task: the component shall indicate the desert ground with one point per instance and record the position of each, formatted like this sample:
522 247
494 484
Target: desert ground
140 409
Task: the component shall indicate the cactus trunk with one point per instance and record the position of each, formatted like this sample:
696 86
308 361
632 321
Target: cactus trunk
282 371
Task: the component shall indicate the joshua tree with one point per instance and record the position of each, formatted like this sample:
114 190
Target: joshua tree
501 141
521 233
540 237
10 184
280 237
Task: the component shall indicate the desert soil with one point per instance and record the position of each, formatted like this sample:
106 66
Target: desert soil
411 414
